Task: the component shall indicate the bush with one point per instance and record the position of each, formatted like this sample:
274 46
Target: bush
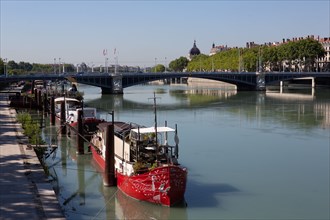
31 128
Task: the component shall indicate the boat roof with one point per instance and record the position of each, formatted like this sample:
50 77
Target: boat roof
123 127
87 108
120 127
152 130
61 99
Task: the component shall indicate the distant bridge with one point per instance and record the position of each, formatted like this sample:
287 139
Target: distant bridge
115 83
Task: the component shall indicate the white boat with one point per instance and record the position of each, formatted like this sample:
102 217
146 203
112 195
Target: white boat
72 106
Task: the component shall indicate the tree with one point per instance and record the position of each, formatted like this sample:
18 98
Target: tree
251 58
69 68
271 57
160 68
42 68
179 64
25 66
12 65
308 50
2 66
199 63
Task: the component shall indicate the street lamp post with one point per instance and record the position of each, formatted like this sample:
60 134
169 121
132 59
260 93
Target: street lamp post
165 64
239 60
54 65
59 66
107 66
5 67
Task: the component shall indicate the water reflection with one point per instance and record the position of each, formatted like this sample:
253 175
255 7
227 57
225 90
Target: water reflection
310 109
170 99
119 206
205 194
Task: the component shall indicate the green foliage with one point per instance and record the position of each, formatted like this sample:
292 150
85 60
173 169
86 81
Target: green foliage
12 65
159 68
14 68
31 128
69 68
304 51
154 165
2 66
42 68
179 64
24 118
140 167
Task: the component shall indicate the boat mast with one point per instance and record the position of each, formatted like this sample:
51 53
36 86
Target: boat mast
155 113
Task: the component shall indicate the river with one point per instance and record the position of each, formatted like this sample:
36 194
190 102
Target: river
250 155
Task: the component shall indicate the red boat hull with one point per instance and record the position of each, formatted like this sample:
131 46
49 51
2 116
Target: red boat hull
163 185
97 156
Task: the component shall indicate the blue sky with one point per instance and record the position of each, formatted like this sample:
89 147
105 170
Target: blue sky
145 31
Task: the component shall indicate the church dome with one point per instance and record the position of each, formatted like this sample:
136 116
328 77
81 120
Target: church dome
194 51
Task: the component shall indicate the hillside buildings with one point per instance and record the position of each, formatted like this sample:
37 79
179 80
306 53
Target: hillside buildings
323 63
218 49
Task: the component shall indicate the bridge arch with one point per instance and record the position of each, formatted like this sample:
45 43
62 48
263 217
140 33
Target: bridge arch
110 83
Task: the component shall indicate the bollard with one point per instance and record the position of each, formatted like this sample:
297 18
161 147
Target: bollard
35 97
80 133
109 173
63 121
52 111
45 104
39 100
32 87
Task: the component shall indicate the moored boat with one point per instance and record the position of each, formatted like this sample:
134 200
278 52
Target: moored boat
72 106
89 121
145 163
145 169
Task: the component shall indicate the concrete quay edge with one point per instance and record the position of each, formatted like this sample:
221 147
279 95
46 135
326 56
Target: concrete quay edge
25 192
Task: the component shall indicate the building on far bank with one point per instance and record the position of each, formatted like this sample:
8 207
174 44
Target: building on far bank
194 51
324 62
217 49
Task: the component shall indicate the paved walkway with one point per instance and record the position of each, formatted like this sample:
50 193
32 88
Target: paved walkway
24 190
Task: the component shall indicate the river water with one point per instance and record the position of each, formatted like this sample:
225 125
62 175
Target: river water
250 155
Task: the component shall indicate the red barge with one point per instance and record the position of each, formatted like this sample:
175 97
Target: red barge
145 169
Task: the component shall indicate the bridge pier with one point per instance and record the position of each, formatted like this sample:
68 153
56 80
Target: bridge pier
260 81
116 85
111 91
